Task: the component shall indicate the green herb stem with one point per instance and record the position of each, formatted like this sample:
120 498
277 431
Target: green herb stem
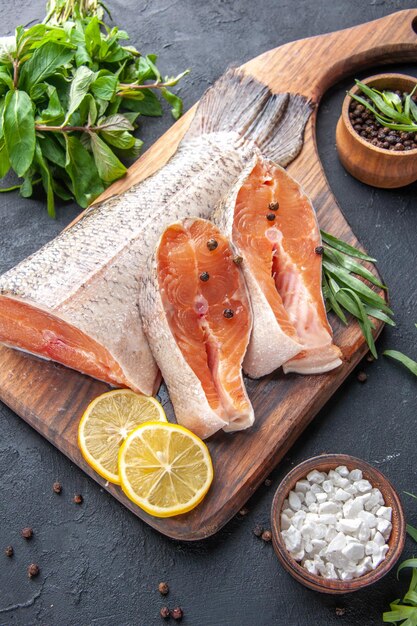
66 129
15 187
157 85
15 73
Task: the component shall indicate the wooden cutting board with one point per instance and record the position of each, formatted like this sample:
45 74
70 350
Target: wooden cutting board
52 398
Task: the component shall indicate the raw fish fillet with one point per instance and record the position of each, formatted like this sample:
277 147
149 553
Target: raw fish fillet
273 227
76 300
197 317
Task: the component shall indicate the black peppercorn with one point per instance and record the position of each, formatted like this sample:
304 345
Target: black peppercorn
9 551
258 530
273 206
270 217
27 533
177 613
164 612
57 488
33 570
212 244
319 250
268 482
78 499
362 377
163 588
204 276
228 313
238 260
266 536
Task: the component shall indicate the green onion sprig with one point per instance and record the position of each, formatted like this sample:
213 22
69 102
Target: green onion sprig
344 292
389 109
404 612
406 361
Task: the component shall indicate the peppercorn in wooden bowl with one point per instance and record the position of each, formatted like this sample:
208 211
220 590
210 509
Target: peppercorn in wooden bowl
325 463
372 164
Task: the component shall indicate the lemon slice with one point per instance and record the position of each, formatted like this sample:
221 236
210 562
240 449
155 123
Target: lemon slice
107 422
165 469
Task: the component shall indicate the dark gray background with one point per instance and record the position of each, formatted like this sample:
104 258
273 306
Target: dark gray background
100 565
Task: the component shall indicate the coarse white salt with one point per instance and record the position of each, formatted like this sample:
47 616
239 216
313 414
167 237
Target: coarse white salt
348 526
315 477
342 495
369 519
309 498
294 501
342 470
336 524
363 486
303 486
385 512
384 527
328 507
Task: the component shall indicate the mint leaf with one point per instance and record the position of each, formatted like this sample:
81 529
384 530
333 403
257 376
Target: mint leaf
148 104
120 139
46 181
108 165
19 130
104 87
4 159
80 167
93 36
116 122
26 187
80 85
44 62
130 153
145 68
54 111
52 150
174 101
5 78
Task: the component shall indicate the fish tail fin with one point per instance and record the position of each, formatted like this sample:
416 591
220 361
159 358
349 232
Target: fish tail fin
241 104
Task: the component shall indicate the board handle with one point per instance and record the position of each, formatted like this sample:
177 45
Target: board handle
316 63
390 39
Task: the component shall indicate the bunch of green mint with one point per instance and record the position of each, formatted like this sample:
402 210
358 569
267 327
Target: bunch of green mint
70 95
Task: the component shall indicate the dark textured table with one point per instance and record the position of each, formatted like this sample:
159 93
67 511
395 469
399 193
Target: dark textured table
100 565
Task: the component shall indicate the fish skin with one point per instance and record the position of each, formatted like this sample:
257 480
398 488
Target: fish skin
192 407
88 277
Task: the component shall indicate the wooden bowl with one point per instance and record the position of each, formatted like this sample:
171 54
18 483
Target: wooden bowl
372 165
324 463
